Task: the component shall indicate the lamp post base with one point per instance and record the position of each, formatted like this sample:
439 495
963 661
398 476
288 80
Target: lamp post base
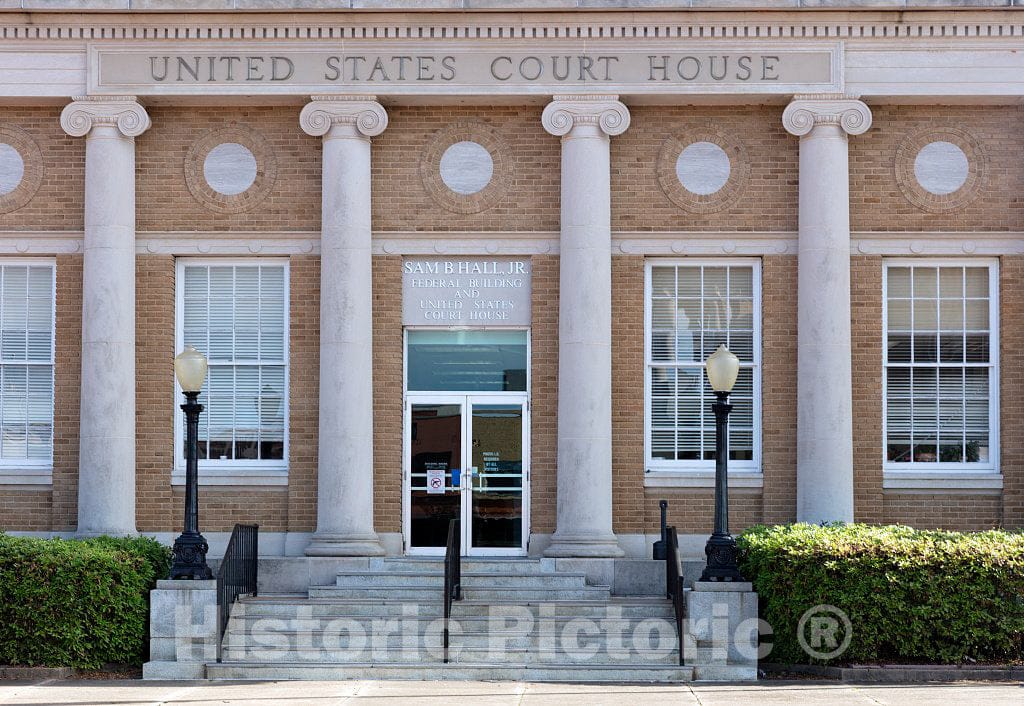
722 554
189 558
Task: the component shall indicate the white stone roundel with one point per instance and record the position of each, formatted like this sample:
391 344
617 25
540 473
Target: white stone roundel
229 168
703 168
12 168
466 167
941 168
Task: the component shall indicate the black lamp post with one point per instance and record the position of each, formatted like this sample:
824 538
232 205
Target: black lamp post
721 550
189 554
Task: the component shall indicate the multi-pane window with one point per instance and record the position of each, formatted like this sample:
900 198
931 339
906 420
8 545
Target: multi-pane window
940 364
26 364
692 309
236 313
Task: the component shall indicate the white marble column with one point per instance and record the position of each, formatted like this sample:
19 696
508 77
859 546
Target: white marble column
584 520
106 466
824 387
344 511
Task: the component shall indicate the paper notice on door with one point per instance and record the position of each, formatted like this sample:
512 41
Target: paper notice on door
435 480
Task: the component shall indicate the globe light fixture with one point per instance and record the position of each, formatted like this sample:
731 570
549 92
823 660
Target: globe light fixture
190 548
723 367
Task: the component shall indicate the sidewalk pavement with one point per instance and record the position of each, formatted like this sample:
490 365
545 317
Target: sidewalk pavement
397 693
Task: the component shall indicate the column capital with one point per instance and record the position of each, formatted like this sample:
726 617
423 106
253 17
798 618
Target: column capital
564 113
86 112
806 112
364 113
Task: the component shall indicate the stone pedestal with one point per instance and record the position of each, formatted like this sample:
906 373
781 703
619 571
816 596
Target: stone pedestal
824 463
584 515
106 480
344 523
721 631
183 629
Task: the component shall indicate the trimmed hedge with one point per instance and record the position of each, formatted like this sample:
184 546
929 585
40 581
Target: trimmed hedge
77 603
911 595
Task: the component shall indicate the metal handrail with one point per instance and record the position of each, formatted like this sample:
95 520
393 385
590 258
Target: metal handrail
452 576
237 575
674 583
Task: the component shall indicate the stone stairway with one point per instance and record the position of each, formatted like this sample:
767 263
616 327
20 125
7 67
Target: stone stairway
520 619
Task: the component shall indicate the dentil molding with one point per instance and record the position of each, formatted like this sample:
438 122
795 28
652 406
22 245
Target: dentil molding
363 113
806 112
122 112
567 112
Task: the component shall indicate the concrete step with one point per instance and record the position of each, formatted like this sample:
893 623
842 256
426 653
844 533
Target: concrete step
628 641
487 565
721 672
462 654
639 607
508 622
469 579
437 671
430 593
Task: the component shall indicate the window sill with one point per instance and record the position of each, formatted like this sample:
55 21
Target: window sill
26 476
942 482
701 479
241 476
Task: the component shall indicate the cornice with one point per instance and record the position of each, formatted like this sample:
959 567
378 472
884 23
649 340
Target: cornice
986 23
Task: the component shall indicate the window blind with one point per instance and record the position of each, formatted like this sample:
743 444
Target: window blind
693 309
236 315
26 364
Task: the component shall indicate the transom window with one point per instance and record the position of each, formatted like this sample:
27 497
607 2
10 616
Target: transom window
692 309
26 364
941 365
236 313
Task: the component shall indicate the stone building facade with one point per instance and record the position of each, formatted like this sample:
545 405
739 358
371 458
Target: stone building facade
834 194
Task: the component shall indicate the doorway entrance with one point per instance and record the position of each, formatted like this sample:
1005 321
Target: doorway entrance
467 451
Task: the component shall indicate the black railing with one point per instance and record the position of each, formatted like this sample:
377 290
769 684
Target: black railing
674 583
236 575
452 576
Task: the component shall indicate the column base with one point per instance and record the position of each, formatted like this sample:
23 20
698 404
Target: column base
113 532
585 546
327 544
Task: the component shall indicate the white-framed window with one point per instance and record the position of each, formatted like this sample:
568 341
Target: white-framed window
236 313
27 314
941 365
691 308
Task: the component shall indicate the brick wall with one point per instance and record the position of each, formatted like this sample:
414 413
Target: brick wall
303 391
628 394
1011 387
866 329
401 201
769 201
67 386
388 384
164 202
778 386
876 202
154 398
58 204
544 393
964 513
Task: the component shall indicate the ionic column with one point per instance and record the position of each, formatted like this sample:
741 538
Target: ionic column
344 512
106 470
584 520
824 387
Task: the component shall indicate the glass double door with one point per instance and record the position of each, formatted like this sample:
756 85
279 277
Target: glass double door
467 458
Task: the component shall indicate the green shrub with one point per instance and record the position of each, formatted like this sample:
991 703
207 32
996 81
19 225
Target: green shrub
76 603
911 595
